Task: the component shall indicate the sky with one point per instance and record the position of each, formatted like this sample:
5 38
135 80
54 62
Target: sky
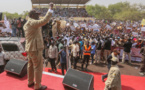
19 6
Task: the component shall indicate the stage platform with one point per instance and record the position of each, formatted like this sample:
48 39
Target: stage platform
54 82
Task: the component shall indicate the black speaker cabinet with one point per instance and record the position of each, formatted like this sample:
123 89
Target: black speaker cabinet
78 80
18 67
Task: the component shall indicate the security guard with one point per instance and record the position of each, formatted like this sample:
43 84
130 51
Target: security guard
113 81
87 53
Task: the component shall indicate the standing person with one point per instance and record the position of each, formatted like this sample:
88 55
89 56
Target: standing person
142 69
1 61
23 23
81 48
98 51
113 81
112 55
93 51
19 26
52 55
75 52
50 27
59 49
34 47
112 44
63 59
14 27
107 48
87 53
127 48
60 44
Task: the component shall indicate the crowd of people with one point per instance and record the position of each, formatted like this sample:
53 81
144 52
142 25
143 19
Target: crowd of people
65 12
92 42
86 41
13 28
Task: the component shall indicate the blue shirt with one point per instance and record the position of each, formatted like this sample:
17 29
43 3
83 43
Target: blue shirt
81 44
93 47
63 57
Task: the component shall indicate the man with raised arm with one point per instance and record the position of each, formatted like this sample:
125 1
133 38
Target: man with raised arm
34 46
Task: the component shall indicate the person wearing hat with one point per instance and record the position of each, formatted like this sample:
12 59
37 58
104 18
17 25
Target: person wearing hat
34 47
113 81
114 54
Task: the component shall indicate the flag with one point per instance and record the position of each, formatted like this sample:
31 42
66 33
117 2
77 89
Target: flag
6 22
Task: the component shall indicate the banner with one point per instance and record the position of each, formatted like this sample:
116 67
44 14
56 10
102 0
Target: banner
135 34
135 52
143 29
128 30
76 25
83 25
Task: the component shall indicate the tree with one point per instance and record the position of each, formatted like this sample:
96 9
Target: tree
119 11
100 12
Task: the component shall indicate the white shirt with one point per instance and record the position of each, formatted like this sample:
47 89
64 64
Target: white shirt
75 50
112 43
52 52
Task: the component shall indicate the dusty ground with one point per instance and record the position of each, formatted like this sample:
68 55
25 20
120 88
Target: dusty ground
125 69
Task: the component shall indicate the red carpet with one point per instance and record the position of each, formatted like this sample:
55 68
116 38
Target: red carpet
11 82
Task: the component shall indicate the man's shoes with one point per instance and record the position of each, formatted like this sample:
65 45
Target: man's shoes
50 70
30 85
55 71
102 78
141 73
42 88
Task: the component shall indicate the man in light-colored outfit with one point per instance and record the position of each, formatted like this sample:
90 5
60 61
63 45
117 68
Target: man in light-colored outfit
34 47
113 81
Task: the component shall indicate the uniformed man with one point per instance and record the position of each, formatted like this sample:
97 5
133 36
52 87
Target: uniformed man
142 69
113 81
34 47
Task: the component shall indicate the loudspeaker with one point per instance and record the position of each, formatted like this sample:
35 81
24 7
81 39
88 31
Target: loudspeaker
78 80
17 67
1 16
